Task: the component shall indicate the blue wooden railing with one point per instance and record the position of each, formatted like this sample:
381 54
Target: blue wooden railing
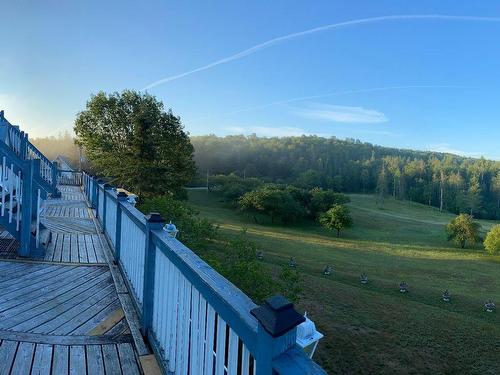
27 178
197 321
21 147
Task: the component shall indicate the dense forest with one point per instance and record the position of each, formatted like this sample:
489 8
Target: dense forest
449 182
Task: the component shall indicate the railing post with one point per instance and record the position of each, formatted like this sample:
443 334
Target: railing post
106 187
27 208
154 221
121 197
23 148
54 176
277 332
97 183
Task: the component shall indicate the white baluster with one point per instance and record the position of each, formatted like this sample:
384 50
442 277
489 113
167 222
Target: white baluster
11 191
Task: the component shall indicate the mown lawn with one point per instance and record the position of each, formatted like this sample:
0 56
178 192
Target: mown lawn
374 329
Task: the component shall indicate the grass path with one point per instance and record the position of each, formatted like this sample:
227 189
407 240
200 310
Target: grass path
374 328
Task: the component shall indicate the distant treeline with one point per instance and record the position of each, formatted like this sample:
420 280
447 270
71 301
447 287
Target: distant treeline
63 144
445 181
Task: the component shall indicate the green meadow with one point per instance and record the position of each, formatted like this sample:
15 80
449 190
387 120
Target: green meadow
373 328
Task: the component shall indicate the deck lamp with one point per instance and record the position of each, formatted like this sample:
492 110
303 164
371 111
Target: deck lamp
327 271
403 287
171 229
292 263
446 296
489 306
363 278
308 337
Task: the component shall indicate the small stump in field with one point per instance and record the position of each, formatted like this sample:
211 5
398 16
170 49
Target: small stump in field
292 263
403 287
489 306
363 278
260 255
327 271
446 296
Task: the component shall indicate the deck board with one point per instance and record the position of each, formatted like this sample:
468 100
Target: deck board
74 235
64 315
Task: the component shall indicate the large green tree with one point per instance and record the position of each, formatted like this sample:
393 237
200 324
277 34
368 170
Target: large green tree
273 201
336 218
129 137
463 230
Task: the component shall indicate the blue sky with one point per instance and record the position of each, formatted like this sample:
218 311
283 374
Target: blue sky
424 83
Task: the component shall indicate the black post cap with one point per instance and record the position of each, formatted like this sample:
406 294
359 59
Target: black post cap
154 217
277 315
107 186
99 180
121 195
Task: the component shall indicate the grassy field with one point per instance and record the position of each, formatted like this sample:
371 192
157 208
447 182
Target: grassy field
374 329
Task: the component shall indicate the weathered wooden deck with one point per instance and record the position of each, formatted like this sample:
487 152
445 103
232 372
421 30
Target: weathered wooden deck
74 235
63 315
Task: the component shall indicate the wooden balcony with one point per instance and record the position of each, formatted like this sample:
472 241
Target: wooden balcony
90 285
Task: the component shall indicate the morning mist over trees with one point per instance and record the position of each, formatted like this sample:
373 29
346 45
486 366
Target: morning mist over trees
229 187
446 181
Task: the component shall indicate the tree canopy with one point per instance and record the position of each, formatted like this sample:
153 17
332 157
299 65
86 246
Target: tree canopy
463 230
273 201
336 218
129 137
492 240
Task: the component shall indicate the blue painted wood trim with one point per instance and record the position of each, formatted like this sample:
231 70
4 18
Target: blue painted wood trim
149 276
153 341
26 209
104 196
118 237
95 195
295 362
24 146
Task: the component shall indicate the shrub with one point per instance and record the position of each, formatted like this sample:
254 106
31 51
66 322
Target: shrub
463 230
492 241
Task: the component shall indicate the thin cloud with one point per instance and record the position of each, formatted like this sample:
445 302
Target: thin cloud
281 39
446 148
343 114
335 93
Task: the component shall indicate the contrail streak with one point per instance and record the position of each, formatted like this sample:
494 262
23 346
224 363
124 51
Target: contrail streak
346 92
274 41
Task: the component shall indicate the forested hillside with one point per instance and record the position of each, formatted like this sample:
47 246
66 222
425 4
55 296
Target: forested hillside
445 181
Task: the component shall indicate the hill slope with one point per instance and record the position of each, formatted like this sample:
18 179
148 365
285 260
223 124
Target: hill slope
375 328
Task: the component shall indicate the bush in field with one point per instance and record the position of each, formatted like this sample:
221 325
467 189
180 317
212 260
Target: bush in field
323 200
336 218
463 230
492 241
238 263
193 231
273 201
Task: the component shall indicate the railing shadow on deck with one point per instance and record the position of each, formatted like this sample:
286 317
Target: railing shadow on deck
196 320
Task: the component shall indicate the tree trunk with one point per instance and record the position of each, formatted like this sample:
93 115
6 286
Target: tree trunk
441 199
338 232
